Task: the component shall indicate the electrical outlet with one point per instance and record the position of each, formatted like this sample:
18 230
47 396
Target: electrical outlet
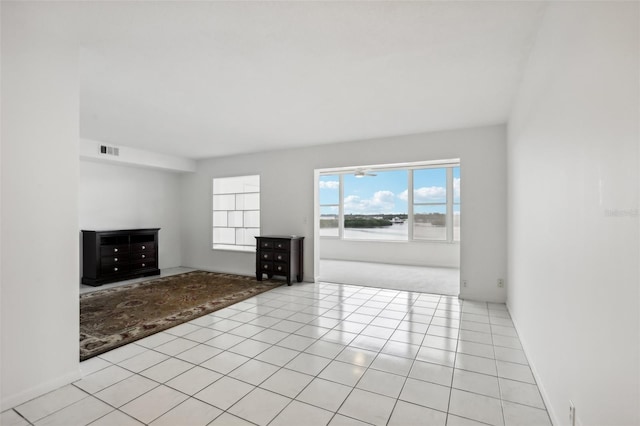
500 283
464 283
572 414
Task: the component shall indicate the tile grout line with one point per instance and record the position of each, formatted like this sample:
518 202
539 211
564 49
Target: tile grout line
365 371
315 376
312 299
413 361
455 357
495 361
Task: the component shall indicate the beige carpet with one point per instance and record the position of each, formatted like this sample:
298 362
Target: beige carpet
397 277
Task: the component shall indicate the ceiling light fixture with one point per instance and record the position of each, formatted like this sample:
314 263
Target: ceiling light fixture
359 173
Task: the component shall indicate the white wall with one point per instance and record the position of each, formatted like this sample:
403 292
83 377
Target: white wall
125 197
573 212
287 184
90 150
39 255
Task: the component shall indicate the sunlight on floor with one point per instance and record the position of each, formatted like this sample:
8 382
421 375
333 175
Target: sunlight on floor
422 279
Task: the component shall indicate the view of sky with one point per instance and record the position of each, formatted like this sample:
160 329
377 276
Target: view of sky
386 192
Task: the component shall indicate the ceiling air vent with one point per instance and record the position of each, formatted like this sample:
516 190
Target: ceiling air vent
109 150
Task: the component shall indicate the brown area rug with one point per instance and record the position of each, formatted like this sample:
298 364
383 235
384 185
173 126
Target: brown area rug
116 316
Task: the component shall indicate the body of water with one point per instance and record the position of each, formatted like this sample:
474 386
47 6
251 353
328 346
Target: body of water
395 232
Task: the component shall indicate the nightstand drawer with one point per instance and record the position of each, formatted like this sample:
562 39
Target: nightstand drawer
266 244
281 245
266 266
280 267
266 255
281 257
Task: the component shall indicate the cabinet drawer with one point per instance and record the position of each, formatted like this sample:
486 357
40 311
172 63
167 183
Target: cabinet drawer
141 256
138 247
114 260
115 249
144 264
266 244
114 268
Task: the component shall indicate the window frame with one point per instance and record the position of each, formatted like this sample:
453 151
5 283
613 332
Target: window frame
338 205
454 204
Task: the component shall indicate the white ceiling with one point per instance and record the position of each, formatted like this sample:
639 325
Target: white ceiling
204 79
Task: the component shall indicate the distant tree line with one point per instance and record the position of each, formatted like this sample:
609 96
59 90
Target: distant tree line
356 223
363 221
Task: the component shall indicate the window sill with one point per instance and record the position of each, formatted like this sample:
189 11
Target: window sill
390 241
235 250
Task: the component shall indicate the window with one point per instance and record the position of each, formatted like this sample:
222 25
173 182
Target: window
376 204
236 212
329 193
430 204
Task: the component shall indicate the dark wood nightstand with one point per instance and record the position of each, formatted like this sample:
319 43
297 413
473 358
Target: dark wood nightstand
279 255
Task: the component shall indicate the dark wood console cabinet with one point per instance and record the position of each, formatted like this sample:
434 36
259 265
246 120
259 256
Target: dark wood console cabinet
109 256
279 255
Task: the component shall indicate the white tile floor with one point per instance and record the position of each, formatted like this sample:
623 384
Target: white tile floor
310 354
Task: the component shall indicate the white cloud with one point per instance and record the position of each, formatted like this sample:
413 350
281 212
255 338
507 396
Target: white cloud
381 202
384 197
427 194
332 184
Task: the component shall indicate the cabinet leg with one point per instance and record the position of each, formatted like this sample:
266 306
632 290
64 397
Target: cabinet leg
259 277
299 278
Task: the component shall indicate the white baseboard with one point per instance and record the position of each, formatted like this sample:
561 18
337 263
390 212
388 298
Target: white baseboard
11 401
545 398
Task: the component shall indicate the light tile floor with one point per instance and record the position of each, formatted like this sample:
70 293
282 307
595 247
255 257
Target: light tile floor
310 354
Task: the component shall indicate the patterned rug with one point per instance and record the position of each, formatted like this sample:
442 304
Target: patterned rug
116 316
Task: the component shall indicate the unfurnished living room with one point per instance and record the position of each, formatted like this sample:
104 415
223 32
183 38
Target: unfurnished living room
320 213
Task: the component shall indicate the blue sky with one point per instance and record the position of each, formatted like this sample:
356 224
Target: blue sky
386 192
